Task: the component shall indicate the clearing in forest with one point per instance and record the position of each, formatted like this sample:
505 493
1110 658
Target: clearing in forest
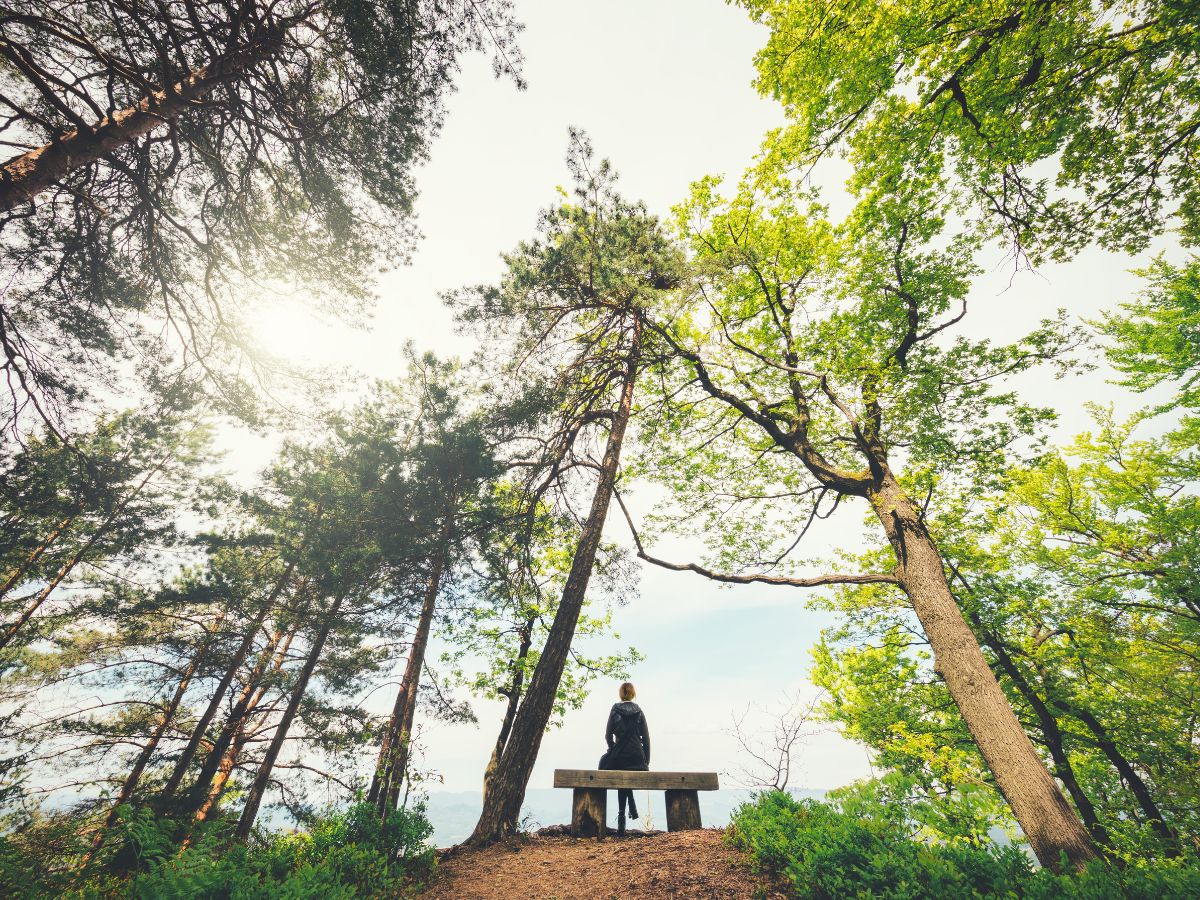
694 864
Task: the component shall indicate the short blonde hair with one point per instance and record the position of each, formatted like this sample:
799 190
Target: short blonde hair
628 691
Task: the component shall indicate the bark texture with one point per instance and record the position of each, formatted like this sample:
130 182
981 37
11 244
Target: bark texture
1048 821
24 177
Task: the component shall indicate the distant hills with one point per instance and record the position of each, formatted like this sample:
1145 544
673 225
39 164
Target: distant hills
453 813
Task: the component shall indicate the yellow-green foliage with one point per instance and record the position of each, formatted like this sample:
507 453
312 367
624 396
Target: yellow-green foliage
862 848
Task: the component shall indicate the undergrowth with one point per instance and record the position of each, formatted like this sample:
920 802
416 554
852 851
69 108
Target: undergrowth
825 851
340 854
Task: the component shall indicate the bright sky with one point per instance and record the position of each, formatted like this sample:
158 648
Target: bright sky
664 89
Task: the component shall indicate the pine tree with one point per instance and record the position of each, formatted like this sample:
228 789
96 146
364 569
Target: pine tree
585 283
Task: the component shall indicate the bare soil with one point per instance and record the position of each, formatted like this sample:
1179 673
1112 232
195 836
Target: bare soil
692 864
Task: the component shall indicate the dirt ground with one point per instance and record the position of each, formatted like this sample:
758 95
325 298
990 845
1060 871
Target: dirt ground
692 864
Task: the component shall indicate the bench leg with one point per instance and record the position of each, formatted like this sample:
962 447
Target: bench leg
589 809
683 810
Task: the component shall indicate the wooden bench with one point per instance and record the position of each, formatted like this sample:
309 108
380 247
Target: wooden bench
589 809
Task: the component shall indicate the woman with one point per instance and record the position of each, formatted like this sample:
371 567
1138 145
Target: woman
628 741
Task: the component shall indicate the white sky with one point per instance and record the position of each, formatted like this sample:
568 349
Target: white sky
663 88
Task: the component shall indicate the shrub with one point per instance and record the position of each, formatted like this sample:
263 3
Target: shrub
340 854
825 851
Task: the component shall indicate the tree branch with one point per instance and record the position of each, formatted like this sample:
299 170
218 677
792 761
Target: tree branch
728 578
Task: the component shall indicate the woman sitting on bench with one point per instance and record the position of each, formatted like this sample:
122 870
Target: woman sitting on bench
628 741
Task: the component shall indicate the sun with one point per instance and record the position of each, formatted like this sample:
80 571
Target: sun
293 331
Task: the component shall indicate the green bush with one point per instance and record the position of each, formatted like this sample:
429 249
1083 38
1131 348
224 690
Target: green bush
825 851
344 854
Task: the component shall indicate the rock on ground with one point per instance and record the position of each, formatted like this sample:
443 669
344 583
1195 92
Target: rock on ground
692 864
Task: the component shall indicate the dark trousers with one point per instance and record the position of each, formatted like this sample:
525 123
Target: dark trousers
625 798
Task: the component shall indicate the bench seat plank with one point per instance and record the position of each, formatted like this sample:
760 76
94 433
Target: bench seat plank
638 781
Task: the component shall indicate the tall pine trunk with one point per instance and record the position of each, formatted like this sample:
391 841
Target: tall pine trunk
23 177
179 772
513 692
393 754
393 761
380 779
258 788
243 708
1050 824
506 793
216 787
239 735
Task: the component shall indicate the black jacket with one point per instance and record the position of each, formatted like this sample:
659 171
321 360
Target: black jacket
628 738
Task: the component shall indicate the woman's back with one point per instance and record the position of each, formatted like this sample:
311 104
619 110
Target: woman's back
628 741
628 737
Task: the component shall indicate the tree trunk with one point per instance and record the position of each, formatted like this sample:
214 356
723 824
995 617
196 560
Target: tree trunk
23 177
1054 742
1051 826
237 741
514 699
258 789
14 577
243 708
1128 773
379 780
139 766
217 787
393 753
214 704
502 804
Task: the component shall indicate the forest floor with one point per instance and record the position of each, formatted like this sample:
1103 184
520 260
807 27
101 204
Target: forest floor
551 866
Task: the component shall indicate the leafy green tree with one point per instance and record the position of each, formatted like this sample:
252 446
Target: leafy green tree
883 693
807 374
1112 521
1155 339
1059 123
1076 582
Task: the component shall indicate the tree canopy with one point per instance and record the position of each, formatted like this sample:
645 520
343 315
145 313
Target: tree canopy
172 159
1061 124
